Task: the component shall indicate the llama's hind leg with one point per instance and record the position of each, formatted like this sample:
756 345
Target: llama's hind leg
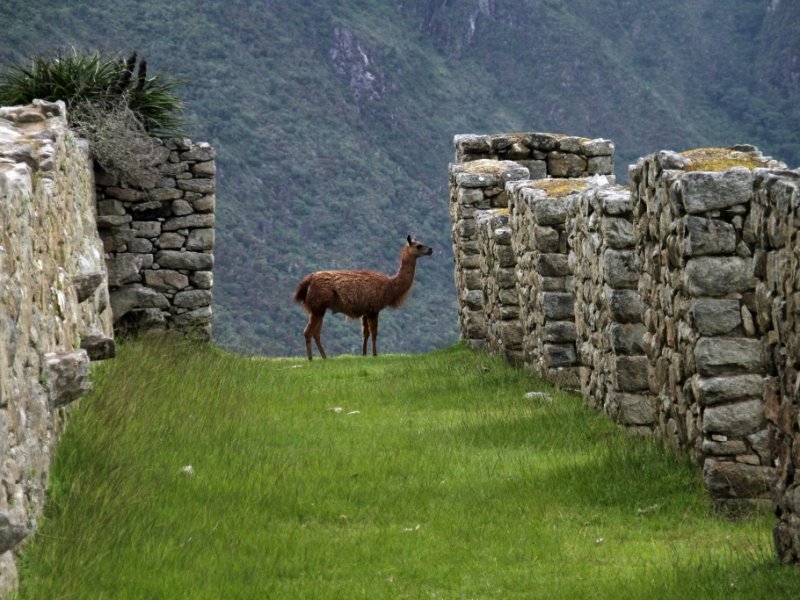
364 334
372 326
314 329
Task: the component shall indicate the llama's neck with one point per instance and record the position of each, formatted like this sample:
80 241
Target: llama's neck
404 278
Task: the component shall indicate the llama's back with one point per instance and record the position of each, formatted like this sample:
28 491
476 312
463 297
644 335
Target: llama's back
353 293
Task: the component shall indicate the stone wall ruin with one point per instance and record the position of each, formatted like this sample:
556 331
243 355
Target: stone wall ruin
83 252
670 304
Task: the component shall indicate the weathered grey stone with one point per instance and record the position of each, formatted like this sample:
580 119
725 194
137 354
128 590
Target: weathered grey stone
108 221
553 265
99 346
541 141
728 448
203 280
204 204
193 318
727 355
704 191
707 236
598 147
552 211
192 221
559 355
66 376
192 299
537 169
714 390
626 338
201 152
614 201
621 268
140 245
600 165
625 306
165 280
193 261
147 229
716 316
472 144
546 238
634 409
736 419
557 306
200 239
630 373
181 208
477 180
200 186
128 298
170 241
205 169
718 275
10 535
85 284
564 164
125 194
560 331
736 480
123 268
164 194
150 211
617 232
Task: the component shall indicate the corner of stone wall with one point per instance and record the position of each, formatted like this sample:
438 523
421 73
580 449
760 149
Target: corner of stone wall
158 236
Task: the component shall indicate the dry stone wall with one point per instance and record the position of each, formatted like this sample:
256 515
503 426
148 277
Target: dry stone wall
608 308
775 227
54 305
158 235
670 304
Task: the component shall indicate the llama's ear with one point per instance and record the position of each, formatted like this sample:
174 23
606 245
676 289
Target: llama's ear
408 238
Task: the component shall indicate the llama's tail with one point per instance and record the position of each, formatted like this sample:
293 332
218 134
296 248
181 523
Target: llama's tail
302 290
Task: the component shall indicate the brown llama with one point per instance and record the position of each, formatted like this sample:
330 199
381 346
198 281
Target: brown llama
357 294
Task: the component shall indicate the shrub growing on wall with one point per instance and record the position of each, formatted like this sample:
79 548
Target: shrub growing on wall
111 101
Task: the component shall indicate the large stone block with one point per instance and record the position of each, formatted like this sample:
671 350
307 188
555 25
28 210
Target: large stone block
707 236
705 191
565 164
634 409
193 261
630 373
716 316
714 390
718 275
728 355
621 268
625 306
736 419
557 305
66 376
626 338
737 480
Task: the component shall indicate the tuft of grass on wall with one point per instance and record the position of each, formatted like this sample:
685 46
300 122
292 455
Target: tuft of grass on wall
190 472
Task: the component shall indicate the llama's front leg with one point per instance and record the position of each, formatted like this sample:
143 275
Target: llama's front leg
372 322
364 334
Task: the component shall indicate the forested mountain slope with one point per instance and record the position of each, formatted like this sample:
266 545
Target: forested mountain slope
333 119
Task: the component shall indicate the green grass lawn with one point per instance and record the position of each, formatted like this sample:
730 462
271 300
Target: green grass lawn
429 476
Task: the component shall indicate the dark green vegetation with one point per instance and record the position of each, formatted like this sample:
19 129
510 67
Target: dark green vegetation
334 118
92 78
396 477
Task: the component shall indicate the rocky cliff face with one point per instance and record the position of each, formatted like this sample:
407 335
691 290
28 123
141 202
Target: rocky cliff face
55 313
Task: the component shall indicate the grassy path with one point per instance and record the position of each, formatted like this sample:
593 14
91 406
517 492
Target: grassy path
428 476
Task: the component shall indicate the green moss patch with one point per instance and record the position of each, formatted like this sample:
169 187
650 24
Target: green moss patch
721 159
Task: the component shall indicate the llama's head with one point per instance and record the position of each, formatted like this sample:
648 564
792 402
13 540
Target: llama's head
416 248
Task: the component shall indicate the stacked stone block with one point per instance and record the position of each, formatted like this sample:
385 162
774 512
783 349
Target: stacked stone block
539 215
774 226
609 309
499 295
543 154
54 306
692 218
474 187
158 235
